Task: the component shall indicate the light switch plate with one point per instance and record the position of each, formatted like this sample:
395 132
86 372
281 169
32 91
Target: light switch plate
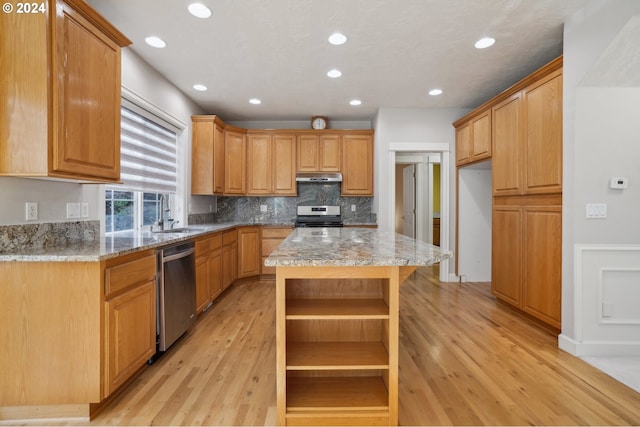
596 210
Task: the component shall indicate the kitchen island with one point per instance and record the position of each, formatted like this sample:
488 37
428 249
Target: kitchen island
337 305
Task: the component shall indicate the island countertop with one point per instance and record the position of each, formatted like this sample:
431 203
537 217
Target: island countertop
336 247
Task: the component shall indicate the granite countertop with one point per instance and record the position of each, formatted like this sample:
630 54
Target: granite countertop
115 244
345 247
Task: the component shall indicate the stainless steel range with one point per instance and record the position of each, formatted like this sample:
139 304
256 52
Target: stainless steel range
318 216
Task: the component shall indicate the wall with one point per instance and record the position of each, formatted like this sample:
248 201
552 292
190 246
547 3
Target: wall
397 125
601 98
474 222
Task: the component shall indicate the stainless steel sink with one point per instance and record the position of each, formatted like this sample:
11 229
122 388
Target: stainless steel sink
179 230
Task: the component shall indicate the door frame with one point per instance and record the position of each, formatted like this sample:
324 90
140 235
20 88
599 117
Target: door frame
443 149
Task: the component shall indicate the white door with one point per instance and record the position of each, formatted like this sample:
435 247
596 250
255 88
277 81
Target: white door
409 201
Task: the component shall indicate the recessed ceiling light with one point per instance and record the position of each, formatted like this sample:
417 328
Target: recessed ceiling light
337 39
155 42
334 74
255 101
355 102
435 92
200 87
485 42
199 10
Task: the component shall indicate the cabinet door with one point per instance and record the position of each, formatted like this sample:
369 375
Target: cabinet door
202 282
308 153
357 173
259 164
130 322
218 159
202 155
87 142
543 135
481 136
506 162
506 253
248 251
234 163
330 153
284 165
542 286
463 144
215 274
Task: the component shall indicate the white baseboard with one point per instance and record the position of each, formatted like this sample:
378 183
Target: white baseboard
601 349
453 278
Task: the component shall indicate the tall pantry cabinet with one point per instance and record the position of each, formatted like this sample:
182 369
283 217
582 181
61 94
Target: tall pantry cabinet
526 135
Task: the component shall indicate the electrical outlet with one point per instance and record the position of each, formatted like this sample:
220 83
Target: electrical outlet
31 210
353 208
263 208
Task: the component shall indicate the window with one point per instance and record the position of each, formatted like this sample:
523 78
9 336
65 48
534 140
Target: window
148 171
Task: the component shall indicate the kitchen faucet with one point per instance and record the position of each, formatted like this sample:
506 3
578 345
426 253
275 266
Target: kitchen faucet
161 220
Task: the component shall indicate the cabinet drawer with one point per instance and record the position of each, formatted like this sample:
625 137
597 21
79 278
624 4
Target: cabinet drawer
123 276
208 244
229 237
276 233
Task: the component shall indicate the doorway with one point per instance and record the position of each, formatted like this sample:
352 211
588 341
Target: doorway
388 210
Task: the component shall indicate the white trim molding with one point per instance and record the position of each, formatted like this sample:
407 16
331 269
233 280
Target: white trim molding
606 295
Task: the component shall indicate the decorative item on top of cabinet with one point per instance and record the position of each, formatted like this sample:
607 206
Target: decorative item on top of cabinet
207 155
54 65
271 161
473 139
357 164
235 161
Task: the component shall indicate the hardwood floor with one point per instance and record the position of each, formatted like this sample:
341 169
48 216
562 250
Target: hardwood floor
464 360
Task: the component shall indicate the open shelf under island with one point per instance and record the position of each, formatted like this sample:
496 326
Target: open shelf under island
337 292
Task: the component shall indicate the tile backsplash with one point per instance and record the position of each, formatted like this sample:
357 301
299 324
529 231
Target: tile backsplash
283 209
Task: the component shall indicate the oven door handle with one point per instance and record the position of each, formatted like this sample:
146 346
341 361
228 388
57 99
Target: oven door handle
178 255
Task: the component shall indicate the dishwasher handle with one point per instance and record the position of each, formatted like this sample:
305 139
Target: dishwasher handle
179 255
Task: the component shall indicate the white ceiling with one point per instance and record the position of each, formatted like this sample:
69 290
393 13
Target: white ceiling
397 50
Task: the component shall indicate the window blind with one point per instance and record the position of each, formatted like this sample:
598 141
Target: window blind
147 154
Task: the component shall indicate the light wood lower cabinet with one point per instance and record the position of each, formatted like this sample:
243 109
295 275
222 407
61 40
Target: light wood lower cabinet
130 317
248 251
527 255
208 270
229 258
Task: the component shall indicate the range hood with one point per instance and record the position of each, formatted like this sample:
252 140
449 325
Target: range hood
320 177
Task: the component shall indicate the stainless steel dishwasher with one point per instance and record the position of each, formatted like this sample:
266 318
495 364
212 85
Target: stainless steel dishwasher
176 293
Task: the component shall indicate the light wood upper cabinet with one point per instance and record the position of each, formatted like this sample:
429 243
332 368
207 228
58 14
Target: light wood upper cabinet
283 165
207 155
357 161
271 164
259 157
319 153
543 135
61 74
507 160
473 139
235 163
